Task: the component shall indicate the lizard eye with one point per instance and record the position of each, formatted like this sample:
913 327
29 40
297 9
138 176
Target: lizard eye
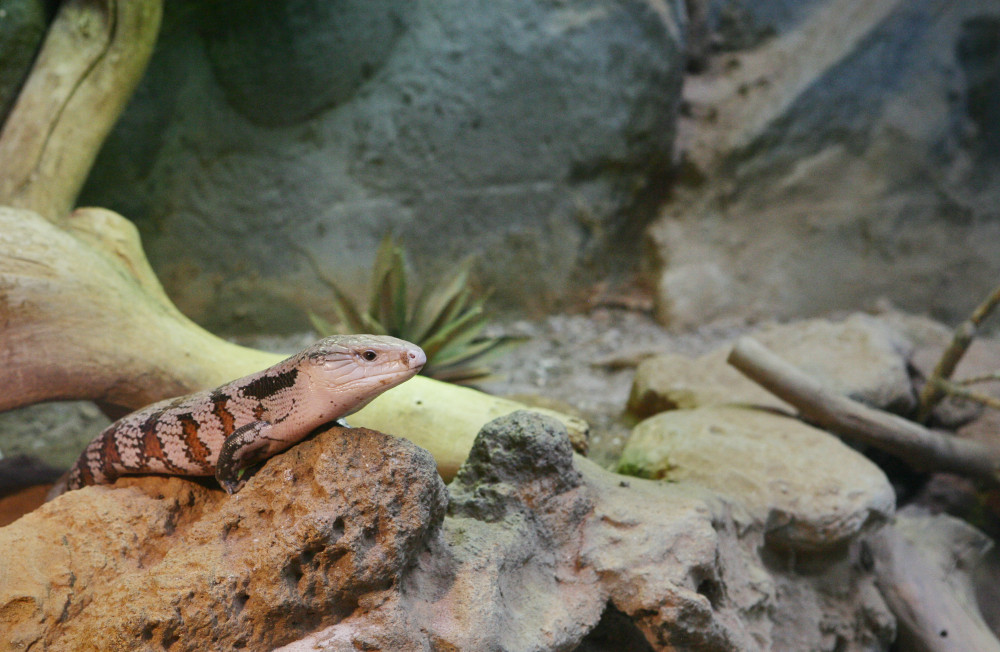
369 355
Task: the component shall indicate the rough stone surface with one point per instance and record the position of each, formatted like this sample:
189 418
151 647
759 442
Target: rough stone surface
153 563
540 130
344 543
803 486
833 153
859 357
577 551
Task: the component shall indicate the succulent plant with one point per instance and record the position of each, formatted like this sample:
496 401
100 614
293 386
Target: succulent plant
446 319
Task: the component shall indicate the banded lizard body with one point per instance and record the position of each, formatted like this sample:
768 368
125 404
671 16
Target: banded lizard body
228 429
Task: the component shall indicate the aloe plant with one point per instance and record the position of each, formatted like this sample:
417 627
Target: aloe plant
446 320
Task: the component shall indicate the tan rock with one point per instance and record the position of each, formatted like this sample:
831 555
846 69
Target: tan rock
672 381
342 544
809 490
858 357
157 563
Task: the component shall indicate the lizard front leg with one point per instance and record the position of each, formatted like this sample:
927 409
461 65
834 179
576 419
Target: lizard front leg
247 445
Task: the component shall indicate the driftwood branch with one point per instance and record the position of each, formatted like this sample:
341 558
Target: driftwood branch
933 391
82 316
923 568
918 446
93 56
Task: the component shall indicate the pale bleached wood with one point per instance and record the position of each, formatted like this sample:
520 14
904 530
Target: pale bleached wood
82 316
923 568
78 322
92 59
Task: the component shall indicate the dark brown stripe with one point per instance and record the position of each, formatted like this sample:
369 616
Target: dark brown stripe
269 385
110 456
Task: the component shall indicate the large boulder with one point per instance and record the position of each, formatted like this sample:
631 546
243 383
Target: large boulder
166 562
829 150
310 129
806 489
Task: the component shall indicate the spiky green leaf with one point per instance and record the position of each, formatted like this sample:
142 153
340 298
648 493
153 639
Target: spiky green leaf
439 303
442 337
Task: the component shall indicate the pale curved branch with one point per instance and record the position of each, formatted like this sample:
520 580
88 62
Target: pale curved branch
83 317
91 61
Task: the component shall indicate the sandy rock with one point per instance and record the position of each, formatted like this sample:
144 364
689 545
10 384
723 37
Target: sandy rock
808 490
319 532
858 357
688 296
671 381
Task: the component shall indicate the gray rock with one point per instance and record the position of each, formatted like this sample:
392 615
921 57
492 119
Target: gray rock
804 487
55 433
830 179
665 566
519 454
535 130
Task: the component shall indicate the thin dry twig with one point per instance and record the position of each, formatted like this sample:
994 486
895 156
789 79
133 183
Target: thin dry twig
932 392
975 380
915 444
957 390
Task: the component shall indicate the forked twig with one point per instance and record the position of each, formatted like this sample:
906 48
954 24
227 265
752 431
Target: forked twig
933 391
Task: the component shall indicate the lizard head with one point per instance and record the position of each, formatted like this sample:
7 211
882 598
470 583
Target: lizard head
348 371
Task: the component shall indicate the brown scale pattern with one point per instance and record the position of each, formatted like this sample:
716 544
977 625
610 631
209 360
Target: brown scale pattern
171 434
185 435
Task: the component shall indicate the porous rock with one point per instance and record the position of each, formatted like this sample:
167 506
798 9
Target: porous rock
544 550
804 486
859 357
321 531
